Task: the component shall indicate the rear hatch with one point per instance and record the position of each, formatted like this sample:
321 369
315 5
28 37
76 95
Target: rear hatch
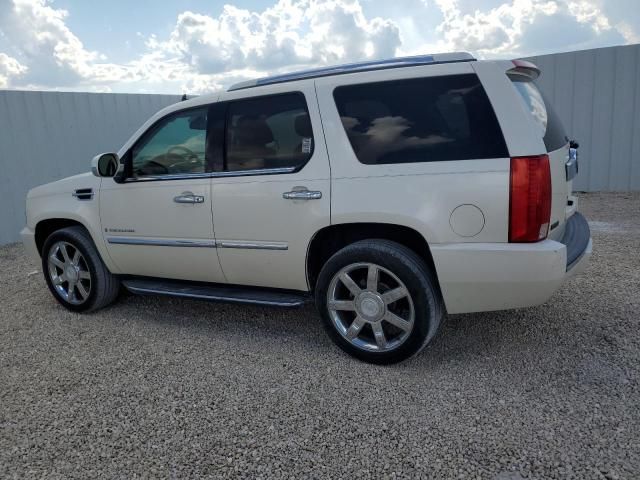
557 145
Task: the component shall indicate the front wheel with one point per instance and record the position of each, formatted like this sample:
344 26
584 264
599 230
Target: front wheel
75 273
378 301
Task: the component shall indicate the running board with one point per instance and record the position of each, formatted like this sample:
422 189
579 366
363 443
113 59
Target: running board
216 293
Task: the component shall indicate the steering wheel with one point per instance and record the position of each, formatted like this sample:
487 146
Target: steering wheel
176 149
154 164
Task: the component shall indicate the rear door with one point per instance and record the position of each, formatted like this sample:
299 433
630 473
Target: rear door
271 185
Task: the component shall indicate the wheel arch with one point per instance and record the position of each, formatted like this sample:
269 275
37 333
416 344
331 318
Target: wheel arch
47 226
332 238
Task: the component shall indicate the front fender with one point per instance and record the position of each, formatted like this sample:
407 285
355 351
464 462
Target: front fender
64 205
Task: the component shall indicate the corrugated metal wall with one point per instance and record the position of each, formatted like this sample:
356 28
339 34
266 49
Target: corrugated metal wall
45 136
597 95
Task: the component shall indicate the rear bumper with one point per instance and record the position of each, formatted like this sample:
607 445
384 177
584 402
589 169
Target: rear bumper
478 277
577 239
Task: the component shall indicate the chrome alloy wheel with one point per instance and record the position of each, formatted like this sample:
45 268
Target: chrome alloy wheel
69 273
370 307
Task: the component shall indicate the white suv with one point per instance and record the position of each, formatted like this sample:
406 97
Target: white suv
389 192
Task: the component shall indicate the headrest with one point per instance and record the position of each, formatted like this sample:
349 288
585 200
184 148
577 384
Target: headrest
251 130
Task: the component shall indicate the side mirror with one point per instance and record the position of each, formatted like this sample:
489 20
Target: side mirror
105 164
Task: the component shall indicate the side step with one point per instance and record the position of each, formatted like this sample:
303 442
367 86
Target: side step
215 292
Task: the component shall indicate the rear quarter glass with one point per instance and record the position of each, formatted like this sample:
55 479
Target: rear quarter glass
420 120
551 128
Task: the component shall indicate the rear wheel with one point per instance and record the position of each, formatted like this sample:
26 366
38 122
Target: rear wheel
75 273
378 301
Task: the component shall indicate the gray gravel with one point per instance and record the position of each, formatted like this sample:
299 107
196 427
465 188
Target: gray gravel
157 387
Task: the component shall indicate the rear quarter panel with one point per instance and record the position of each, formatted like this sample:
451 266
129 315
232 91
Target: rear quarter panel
418 195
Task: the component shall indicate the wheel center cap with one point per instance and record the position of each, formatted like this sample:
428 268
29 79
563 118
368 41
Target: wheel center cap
370 306
71 273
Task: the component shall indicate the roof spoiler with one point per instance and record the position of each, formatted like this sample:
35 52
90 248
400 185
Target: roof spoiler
524 67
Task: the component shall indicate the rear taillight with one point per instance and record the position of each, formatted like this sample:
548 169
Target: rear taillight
529 198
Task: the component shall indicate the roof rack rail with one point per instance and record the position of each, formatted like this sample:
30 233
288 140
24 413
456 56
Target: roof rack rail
357 67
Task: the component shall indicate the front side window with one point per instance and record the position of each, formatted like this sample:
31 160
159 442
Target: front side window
176 145
268 132
420 120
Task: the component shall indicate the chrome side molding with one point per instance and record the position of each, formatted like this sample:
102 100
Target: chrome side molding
253 245
164 242
167 242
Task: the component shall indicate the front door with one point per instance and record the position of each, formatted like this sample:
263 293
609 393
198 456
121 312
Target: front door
158 222
272 191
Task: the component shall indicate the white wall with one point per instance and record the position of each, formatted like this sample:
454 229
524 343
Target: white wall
597 95
45 136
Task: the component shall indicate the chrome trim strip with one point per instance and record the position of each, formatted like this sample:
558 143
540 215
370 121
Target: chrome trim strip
161 242
258 171
252 245
215 298
239 173
166 242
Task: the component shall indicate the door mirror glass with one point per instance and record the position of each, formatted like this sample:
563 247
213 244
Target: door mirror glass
105 165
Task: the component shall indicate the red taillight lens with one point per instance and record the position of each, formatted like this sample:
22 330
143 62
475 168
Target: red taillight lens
529 198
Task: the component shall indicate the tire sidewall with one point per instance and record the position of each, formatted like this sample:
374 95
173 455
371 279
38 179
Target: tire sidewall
414 275
88 255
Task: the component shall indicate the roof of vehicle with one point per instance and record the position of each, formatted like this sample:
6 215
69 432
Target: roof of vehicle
397 62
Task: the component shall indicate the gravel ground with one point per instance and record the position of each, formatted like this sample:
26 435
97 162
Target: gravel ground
156 387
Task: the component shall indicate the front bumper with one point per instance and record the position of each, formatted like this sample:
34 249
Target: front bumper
478 277
29 242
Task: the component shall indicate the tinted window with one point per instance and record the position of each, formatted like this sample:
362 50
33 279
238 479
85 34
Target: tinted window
268 132
176 145
551 127
420 120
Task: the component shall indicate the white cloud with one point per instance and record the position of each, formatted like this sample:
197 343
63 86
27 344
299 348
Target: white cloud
9 67
39 32
202 52
289 34
207 52
506 29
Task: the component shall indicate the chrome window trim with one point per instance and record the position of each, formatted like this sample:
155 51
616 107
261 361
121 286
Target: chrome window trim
236 173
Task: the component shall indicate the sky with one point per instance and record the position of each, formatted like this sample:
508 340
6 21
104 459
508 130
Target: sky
199 46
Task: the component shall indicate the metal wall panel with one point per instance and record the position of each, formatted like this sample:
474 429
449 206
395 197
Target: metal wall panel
597 95
45 136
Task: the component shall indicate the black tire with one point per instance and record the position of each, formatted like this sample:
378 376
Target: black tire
104 286
408 267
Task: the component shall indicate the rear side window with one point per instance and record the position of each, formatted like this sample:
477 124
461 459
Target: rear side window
268 132
420 120
542 111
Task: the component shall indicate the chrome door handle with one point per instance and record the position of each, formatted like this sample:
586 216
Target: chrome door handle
188 197
302 195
